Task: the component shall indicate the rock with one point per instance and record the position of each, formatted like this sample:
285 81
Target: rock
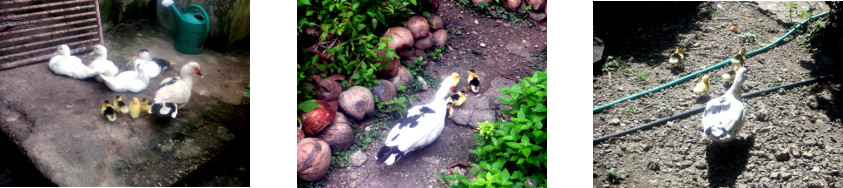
807 155
686 164
816 184
403 77
385 90
615 121
786 176
537 16
811 101
782 155
462 116
357 158
423 83
700 165
762 114
482 44
775 175
652 165
481 116
357 102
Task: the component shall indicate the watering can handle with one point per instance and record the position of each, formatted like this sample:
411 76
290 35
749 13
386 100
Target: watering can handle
205 14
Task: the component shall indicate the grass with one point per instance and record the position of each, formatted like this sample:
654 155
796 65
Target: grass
775 81
628 111
641 77
692 182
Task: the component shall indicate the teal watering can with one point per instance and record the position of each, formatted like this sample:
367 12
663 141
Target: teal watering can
192 28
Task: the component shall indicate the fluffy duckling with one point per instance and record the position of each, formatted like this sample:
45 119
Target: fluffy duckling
739 59
456 79
473 81
134 108
702 87
108 111
457 98
450 111
122 108
677 57
730 76
144 106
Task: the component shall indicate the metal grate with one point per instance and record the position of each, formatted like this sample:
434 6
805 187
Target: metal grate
30 30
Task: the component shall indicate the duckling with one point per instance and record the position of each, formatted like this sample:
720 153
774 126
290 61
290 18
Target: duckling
702 87
108 111
677 57
473 82
730 76
134 108
122 108
457 98
450 111
144 107
456 79
739 59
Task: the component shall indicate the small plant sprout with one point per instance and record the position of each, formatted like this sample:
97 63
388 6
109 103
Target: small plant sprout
612 175
641 77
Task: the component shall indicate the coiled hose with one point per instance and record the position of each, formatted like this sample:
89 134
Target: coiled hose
701 108
721 64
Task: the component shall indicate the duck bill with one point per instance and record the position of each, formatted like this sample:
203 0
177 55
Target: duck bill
200 74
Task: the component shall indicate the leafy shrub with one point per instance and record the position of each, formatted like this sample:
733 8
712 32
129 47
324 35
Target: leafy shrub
515 153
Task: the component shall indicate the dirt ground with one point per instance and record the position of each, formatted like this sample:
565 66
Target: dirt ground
509 54
56 120
790 136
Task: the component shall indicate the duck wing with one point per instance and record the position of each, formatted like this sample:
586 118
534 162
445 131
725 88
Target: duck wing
723 116
172 90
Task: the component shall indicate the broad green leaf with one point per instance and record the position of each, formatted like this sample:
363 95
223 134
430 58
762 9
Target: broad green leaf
320 67
308 105
540 108
538 133
413 2
520 161
513 145
526 151
302 2
505 175
495 141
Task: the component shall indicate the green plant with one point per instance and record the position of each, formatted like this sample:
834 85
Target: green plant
749 37
436 54
628 111
665 112
307 106
641 77
612 64
613 176
348 39
775 81
692 181
514 153
792 9
417 69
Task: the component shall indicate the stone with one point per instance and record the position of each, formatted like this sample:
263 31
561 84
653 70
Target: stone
402 77
775 175
782 155
762 114
424 87
481 116
811 101
537 16
385 90
494 91
615 121
652 165
700 165
462 116
686 164
357 158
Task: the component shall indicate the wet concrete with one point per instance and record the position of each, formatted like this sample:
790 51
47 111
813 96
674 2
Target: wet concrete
57 124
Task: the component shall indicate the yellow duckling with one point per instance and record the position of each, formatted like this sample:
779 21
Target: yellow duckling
702 87
730 76
134 108
144 107
677 57
450 112
456 80
739 59
122 108
473 81
108 111
457 98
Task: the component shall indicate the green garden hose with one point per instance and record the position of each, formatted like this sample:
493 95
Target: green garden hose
721 64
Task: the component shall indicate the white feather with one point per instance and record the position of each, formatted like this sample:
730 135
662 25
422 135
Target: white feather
724 116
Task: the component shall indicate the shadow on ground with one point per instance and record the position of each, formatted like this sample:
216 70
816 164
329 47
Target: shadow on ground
627 28
727 162
16 170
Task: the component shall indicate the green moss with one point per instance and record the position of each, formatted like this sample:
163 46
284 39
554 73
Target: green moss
238 35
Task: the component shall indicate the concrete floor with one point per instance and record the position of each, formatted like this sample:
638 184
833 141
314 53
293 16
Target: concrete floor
56 120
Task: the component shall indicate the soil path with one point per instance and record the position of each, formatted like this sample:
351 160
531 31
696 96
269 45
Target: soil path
790 136
509 55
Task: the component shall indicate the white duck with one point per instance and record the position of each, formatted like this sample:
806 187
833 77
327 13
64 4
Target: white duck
134 81
724 115
69 65
420 127
151 66
174 92
102 64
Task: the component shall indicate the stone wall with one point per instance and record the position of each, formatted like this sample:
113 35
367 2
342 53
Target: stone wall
229 19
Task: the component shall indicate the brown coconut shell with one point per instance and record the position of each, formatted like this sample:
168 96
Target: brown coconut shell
403 77
424 42
436 22
418 26
440 38
536 4
328 88
391 66
478 1
339 134
511 5
402 38
317 119
299 134
313 159
385 90
357 102
406 54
